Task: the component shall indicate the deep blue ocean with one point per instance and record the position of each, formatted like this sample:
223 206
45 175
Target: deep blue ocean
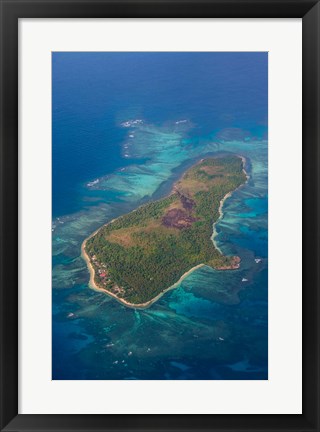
215 324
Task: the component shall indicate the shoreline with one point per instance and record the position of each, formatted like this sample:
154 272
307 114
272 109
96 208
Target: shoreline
221 213
145 305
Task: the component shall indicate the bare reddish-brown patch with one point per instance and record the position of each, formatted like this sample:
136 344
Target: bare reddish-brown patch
186 202
177 218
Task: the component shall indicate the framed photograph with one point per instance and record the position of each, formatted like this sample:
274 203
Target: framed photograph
159 215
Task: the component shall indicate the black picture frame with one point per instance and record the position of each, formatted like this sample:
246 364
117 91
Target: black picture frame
11 11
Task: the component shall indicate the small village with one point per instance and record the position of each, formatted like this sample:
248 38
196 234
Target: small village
102 278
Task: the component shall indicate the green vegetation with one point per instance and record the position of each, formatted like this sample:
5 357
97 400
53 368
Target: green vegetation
141 254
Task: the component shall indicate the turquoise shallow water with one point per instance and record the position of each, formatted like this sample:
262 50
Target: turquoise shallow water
215 324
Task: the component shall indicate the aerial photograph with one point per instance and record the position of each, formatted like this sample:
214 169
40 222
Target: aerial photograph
159 216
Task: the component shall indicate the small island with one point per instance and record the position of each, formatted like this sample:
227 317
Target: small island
139 256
